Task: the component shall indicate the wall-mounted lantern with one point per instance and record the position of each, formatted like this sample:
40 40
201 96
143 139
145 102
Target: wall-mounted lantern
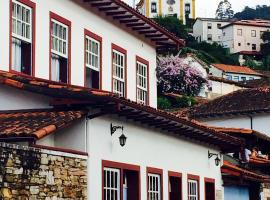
122 138
217 159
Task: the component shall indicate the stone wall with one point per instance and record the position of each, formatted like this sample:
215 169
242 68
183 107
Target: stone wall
266 191
31 173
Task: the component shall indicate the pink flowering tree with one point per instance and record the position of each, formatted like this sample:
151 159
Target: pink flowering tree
175 76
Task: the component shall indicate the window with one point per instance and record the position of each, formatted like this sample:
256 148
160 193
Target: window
239 32
229 77
218 26
254 47
209 37
243 78
224 33
236 78
209 188
111 184
119 70
251 78
175 186
22 47
154 186
60 49
209 26
193 187
239 44
142 80
153 7
253 33
113 187
261 34
187 8
92 60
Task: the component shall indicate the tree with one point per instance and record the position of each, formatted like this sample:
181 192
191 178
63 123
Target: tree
265 50
175 76
260 12
224 10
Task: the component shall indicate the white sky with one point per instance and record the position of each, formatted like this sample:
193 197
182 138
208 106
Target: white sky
207 8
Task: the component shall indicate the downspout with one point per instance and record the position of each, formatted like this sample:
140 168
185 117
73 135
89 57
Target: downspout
251 122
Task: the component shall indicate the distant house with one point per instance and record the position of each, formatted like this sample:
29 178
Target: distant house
244 36
208 29
234 73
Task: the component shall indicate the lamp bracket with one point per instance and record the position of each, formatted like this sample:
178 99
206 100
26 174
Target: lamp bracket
115 128
211 154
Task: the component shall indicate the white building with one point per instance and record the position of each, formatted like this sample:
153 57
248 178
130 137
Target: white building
90 66
181 9
244 36
208 29
235 73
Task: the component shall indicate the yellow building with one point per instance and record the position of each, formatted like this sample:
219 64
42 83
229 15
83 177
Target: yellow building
180 8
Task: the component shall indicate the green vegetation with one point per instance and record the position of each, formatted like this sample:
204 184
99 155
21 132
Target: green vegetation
265 49
163 103
260 12
166 103
209 53
224 10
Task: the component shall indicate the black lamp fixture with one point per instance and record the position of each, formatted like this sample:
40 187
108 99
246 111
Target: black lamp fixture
122 138
217 159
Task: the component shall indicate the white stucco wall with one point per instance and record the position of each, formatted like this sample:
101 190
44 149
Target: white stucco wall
231 38
147 148
14 99
200 30
82 18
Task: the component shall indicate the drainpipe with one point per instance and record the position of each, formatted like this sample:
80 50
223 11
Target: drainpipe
251 122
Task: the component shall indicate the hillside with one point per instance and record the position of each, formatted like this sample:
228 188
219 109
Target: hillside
260 12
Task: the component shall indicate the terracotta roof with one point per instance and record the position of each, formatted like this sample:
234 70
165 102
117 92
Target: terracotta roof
263 82
264 73
255 22
109 103
260 162
236 69
236 171
250 53
244 101
131 18
36 124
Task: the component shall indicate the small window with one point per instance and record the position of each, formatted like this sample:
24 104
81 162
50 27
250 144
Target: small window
209 37
142 83
209 26
254 47
22 48
193 190
229 77
175 186
119 72
243 78
93 61
224 33
239 44
153 7
261 33
239 32
236 78
60 45
154 186
187 8
111 184
251 78
248 44
218 26
253 33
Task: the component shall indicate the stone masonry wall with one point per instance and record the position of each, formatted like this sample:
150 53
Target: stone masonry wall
30 173
266 191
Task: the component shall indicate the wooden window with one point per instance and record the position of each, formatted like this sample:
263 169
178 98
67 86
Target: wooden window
154 191
193 187
209 25
209 185
175 186
154 184
209 37
22 26
111 184
239 32
236 78
142 80
153 7
119 71
253 33
60 48
120 181
92 60
254 47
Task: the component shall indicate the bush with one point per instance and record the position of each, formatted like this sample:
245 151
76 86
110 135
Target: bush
163 103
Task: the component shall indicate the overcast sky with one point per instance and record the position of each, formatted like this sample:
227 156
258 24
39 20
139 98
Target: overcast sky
207 8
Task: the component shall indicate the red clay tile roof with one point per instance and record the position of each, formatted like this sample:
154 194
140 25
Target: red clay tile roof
236 69
244 101
223 80
255 22
236 171
263 82
131 18
36 124
110 103
261 162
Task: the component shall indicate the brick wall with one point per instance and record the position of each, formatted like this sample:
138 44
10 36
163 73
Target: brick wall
31 173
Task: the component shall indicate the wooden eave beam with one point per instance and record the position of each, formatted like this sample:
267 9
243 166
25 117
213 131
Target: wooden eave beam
129 20
153 35
141 28
108 8
99 4
148 31
135 24
122 16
